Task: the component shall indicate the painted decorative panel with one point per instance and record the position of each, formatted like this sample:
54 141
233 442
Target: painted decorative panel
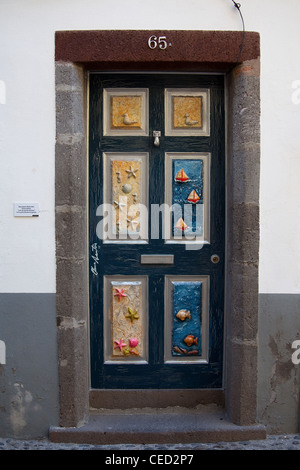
125 194
125 111
186 318
187 112
125 319
187 192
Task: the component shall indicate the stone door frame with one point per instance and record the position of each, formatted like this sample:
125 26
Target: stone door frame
76 54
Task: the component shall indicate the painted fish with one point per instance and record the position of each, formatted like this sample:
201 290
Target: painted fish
193 197
181 176
190 340
183 314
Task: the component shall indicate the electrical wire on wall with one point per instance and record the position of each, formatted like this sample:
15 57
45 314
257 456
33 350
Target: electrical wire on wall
238 7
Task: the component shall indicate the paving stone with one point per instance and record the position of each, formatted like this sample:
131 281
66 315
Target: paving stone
273 442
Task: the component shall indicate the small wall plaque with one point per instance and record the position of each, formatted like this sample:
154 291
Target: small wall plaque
26 209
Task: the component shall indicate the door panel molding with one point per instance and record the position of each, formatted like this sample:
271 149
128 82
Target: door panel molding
196 238
122 293
171 316
119 202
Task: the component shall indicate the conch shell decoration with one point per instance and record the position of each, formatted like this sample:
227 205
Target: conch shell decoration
183 314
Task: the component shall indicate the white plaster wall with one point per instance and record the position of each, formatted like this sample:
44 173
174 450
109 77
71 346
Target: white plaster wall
27 121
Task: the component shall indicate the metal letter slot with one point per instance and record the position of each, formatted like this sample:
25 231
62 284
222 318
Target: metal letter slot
157 259
156 135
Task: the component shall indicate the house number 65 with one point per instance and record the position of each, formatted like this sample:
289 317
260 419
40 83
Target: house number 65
160 41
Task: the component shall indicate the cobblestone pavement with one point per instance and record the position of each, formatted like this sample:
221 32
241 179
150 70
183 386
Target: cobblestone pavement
273 442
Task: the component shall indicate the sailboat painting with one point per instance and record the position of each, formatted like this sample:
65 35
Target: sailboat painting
187 196
193 197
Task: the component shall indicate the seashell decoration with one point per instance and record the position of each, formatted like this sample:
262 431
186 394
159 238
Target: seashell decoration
133 342
126 188
183 314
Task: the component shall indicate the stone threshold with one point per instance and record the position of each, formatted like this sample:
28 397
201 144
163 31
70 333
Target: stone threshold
170 425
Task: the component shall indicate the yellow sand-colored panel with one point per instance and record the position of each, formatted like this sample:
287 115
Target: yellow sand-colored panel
187 112
126 112
127 319
126 189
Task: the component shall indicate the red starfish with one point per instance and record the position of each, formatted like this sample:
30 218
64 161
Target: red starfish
120 293
120 344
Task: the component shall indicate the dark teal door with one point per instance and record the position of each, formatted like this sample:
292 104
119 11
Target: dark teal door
156 228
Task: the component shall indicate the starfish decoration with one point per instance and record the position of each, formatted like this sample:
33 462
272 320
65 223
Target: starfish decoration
132 223
120 205
126 351
132 315
131 172
120 344
120 293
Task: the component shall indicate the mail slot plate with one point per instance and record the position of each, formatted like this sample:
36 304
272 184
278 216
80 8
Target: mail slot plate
157 259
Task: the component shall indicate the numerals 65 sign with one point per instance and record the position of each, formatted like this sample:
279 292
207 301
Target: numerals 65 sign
161 42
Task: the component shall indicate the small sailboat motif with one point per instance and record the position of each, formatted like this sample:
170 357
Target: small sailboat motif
193 197
181 176
180 224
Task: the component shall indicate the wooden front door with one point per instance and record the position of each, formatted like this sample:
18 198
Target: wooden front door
157 229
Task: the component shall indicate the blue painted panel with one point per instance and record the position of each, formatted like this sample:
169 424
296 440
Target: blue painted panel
187 299
190 211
